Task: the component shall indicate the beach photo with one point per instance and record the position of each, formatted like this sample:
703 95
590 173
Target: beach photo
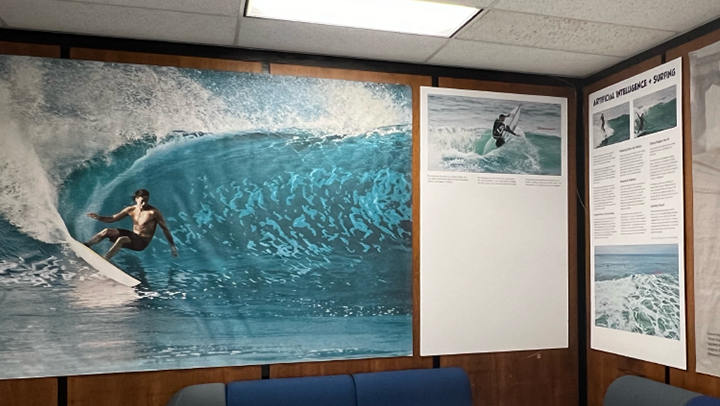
655 112
483 135
611 126
637 289
165 218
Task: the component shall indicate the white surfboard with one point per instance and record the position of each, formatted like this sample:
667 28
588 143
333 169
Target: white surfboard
101 264
514 118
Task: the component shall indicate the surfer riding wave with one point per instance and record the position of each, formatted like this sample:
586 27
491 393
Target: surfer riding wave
499 129
145 219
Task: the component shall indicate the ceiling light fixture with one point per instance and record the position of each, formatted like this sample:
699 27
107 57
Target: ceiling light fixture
404 16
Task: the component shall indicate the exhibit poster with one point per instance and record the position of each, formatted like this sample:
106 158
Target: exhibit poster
705 97
231 218
636 217
493 222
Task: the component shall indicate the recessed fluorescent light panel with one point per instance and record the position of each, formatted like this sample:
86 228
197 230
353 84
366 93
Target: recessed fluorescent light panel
405 16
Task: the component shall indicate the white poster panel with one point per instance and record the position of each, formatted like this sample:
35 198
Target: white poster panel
705 87
493 222
636 217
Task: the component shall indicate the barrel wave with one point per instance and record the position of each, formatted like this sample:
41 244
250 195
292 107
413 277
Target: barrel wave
289 200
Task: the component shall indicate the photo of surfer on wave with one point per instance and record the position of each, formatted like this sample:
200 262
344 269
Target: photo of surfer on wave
145 220
655 112
487 135
611 126
499 130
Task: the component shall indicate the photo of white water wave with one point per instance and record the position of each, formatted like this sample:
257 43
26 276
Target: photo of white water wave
637 289
483 135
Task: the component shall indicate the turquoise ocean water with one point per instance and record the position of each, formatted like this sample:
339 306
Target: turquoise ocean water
289 200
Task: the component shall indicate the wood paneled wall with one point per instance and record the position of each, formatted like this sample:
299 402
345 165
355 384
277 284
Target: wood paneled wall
545 378
16 48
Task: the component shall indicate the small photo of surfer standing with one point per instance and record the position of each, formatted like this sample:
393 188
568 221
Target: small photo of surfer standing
655 112
484 135
611 126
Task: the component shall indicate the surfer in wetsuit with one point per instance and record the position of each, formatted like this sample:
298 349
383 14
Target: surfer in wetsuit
499 129
145 219
602 123
641 125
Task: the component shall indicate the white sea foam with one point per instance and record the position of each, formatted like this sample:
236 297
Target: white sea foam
451 142
647 304
599 135
57 114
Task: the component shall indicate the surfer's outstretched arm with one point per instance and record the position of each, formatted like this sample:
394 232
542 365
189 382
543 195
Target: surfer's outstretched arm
166 231
111 219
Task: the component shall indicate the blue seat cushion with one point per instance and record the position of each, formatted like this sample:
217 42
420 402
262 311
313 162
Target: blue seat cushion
703 401
418 387
335 390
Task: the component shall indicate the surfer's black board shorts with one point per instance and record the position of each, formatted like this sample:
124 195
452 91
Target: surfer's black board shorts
137 243
499 142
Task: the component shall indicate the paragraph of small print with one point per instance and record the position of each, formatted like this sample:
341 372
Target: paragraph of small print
446 178
543 182
496 181
713 343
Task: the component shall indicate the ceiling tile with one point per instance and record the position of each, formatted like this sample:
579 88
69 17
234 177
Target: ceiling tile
215 7
116 21
481 55
531 30
335 41
468 3
671 15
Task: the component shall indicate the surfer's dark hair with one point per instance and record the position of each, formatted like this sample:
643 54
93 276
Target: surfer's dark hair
141 193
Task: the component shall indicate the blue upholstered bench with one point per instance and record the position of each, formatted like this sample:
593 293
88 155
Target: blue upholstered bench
635 391
418 387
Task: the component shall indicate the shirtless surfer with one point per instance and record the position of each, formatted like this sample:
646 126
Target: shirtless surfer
602 123
145 218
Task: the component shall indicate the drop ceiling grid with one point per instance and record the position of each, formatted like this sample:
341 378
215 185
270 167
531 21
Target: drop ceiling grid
209 7
563 34
483 55
118 21
336 41
561 37
672 15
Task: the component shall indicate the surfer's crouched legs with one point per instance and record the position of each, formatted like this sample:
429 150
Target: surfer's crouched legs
114 235
122 240
106 233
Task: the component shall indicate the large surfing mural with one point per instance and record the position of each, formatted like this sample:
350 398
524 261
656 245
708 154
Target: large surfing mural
162 218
